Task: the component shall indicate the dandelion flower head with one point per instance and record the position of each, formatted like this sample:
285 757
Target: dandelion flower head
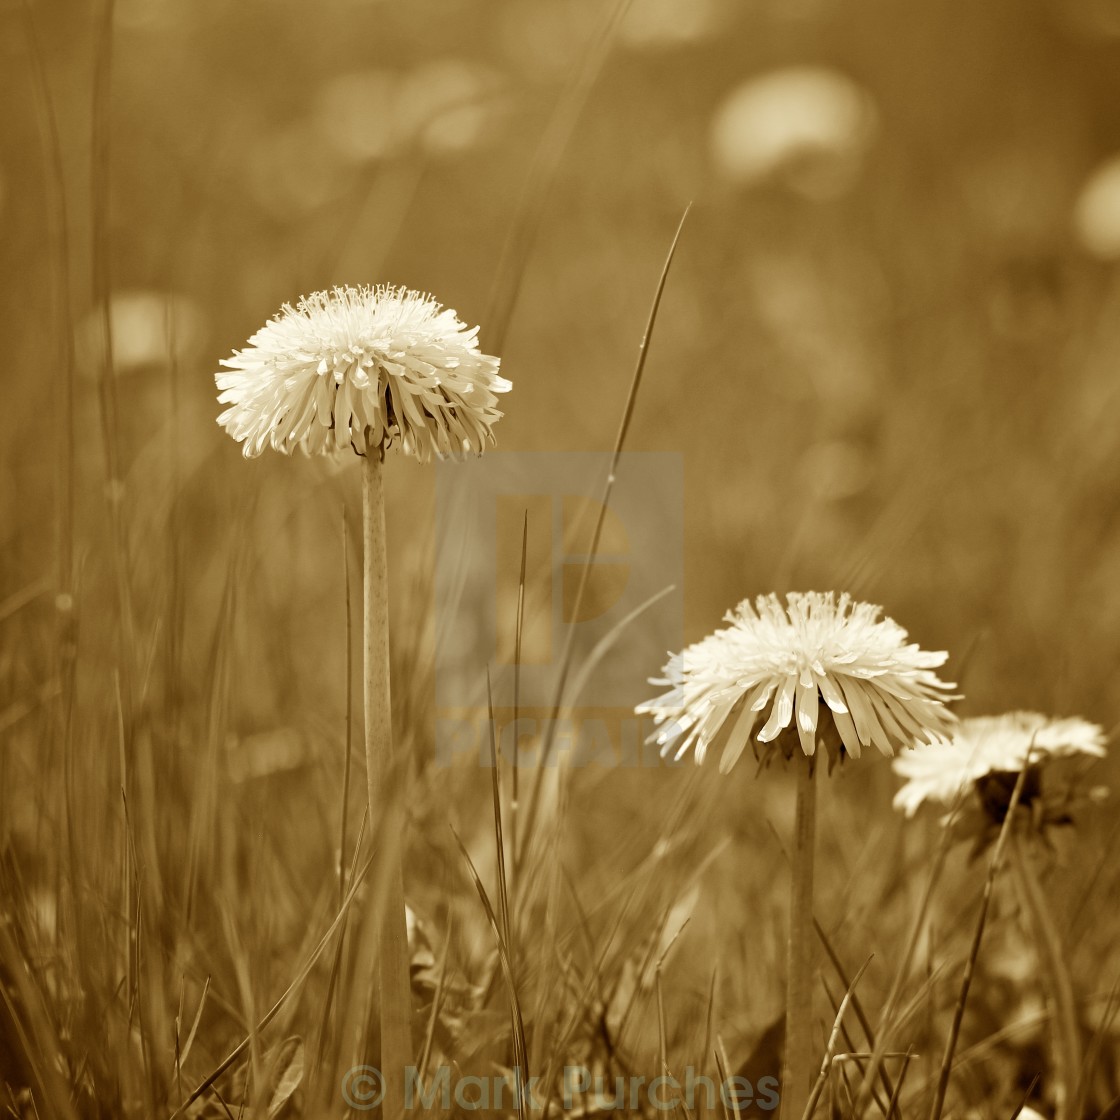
987 745
829 665
362 368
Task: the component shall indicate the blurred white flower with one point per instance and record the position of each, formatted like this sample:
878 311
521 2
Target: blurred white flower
1097 211
150 329
943 770
816 656
360 368
807 124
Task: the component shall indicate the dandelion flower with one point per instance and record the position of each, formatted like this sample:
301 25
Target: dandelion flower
815 660
989 745
990 755
843 676
361 368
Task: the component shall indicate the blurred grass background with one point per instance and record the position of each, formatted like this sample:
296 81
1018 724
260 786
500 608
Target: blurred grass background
888 354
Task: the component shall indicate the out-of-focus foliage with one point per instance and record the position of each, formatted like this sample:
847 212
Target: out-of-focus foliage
888 350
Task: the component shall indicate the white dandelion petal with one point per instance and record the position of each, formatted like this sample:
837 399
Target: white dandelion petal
945 768
793 666
362 369
737 740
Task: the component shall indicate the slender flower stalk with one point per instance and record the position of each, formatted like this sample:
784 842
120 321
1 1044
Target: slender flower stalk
1066 1036
798 1067
986 756
829 672
365 370
382 776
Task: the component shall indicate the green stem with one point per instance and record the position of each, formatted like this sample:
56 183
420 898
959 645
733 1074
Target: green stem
393 960
797 1071
1056 977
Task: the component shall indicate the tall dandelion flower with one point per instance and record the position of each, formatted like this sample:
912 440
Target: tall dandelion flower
362 369
365 370
987 755
816 670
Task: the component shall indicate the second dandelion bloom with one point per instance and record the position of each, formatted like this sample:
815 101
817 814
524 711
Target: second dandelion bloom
986 747
825 666
363 368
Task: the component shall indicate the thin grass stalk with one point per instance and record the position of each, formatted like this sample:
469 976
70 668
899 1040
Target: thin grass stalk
608 488
203 823
722 1067
1097 1041
857 1006
662 1045
974 951
296 984
336 967
833 1040
394 986
334 979
1025 1099
505 963
849 1046
989 1047
59 233
1055 976
892 1106
519 631
138 748
577 1013
32 1031
797 1061
437 1007
520 1056
101 292
886 1019
709 1018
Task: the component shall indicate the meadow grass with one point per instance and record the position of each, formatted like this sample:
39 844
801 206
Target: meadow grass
190 882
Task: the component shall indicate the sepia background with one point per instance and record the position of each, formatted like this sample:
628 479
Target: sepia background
887 356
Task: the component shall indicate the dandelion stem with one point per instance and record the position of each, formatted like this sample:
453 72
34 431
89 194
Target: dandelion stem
1056 977
797 1063
393 963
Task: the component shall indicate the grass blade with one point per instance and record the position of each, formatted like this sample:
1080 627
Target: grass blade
833 1038
608 488
974 952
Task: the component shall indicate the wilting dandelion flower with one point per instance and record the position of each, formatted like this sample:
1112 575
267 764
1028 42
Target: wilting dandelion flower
361 368
997 755
987 746
814 661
